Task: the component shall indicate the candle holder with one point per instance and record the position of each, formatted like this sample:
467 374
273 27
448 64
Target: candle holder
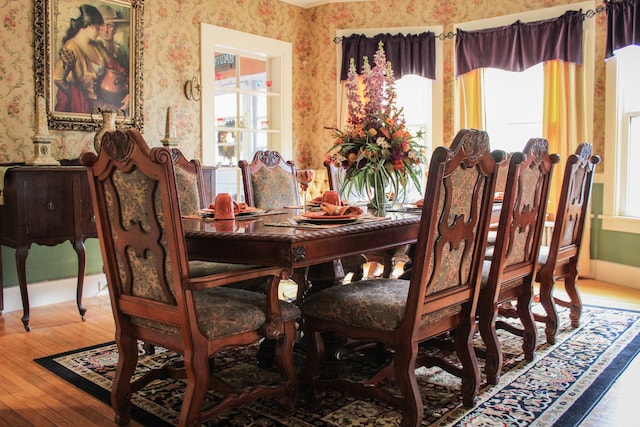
170 139
42 140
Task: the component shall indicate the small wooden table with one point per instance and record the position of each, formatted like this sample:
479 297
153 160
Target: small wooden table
46 205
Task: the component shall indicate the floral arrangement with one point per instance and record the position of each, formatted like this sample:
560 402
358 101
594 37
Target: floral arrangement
375 148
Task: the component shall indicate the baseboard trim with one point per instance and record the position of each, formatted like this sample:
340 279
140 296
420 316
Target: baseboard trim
54 291
618 274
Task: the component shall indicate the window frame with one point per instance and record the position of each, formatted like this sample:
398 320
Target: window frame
279 54
615 135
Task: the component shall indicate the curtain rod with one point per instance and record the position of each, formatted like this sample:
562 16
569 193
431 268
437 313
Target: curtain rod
590 13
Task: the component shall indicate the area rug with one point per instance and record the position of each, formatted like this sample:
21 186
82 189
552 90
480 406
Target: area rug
559 387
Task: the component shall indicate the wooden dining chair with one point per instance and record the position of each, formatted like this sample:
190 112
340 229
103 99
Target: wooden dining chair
440 297
189 182
269 181
560 258
160 297
512 261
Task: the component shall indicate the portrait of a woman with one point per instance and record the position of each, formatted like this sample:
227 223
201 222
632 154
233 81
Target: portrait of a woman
81 63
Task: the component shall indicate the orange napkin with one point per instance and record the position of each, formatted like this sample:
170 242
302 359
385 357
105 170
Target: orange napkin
340 210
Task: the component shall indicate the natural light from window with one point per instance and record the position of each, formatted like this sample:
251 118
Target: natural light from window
628 65
514 107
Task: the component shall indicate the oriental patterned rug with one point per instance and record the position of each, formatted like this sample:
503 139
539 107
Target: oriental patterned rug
559 387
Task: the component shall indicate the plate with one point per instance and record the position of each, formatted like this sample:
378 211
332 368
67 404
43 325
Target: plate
322 217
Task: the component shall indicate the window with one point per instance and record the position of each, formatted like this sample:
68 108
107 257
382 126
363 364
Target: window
246 101
622 194
513 114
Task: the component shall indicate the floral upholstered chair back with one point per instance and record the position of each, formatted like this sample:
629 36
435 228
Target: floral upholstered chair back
269 181
574 198
455 220
189 183
524 209
139 235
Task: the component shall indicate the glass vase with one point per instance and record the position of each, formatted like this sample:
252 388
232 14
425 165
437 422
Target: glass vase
377 193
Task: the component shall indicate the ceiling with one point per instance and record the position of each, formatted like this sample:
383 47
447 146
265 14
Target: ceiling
312 3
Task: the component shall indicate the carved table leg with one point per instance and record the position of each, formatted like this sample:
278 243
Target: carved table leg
21 261
82 262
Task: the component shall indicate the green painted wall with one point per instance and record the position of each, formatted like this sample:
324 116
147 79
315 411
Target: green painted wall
611 246
51 262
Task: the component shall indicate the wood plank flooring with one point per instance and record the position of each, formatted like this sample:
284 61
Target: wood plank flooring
32 396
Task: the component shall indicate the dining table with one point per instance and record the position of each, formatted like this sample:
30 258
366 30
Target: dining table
283 238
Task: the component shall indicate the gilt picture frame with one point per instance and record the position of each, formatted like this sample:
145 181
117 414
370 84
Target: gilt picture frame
88 59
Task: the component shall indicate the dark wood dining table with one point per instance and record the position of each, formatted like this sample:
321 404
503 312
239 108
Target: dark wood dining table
269 240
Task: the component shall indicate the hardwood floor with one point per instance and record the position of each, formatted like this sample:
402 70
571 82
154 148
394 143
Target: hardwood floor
32 396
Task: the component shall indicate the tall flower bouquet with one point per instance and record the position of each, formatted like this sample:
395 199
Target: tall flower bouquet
378 153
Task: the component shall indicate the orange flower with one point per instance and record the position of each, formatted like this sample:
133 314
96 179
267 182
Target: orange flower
372 132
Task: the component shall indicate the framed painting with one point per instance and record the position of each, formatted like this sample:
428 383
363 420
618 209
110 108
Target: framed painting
88 59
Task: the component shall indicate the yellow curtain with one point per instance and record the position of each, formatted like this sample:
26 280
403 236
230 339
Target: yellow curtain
565 126
470 99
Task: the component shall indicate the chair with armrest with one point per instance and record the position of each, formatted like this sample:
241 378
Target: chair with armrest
160 297
440 297
269 181
560 258
511 263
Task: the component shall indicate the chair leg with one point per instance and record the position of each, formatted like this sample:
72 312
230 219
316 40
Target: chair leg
197 372
487 326
404 365
575 305
530 332
463 342
546 299
284 362
121 388
314 357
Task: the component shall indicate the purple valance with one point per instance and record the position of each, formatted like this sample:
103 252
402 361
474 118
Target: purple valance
623 25
410 54
521 45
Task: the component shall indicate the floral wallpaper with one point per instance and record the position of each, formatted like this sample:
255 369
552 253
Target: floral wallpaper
172 56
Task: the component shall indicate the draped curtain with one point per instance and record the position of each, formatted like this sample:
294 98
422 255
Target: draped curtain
623 25
410 54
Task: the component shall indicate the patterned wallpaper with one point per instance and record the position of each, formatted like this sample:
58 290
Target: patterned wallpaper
172 56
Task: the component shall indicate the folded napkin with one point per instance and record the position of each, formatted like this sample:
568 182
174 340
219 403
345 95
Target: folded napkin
340 210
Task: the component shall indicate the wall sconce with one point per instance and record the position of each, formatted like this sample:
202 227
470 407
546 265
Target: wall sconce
192 89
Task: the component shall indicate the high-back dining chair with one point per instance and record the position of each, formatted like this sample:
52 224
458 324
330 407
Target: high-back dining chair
189 182
160 297
512 261
560 258
269 181
440 297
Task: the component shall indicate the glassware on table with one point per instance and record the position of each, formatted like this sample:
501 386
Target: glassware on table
304 177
